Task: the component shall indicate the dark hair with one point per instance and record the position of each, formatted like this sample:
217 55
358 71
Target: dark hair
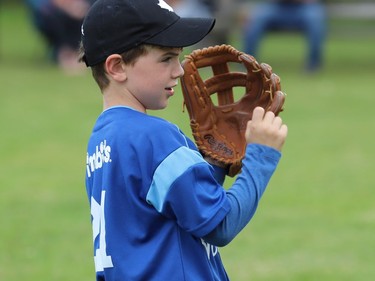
129 57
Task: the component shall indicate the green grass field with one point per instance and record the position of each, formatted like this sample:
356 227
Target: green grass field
316 220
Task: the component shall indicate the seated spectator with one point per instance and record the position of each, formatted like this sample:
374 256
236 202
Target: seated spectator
59 22
307 16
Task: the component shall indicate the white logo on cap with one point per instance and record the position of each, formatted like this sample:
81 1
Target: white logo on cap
164 5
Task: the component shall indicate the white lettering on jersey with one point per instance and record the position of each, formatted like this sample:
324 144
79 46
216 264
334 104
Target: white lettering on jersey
101 156
210 249
164 5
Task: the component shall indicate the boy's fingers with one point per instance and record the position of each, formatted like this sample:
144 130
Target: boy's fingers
269 117
277 121
284 130
258 114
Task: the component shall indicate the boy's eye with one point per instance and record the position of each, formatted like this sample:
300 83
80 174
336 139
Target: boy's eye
170 58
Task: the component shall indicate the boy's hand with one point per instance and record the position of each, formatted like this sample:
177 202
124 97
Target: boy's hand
267 129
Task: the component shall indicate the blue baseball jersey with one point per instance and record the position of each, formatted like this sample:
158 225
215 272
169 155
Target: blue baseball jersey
152 198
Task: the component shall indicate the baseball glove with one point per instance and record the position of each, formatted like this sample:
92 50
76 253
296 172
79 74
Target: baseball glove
219 126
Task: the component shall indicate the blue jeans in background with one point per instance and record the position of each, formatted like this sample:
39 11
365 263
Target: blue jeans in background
308 18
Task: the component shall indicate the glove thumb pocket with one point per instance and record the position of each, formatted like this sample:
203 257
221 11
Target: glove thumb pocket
277 102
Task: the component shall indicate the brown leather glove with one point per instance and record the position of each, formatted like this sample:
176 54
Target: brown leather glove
219 126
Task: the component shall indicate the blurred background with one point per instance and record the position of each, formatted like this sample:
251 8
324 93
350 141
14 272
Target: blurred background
316 220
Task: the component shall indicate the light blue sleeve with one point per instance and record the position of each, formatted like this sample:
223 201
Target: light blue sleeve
259 164
172 167
184 189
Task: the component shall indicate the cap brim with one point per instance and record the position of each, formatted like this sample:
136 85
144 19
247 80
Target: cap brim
184 32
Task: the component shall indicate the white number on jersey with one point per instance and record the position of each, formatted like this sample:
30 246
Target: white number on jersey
98 228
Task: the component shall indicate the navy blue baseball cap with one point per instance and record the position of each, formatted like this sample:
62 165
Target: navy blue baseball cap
116 26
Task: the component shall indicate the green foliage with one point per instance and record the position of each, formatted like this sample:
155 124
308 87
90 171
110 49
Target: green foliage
316 220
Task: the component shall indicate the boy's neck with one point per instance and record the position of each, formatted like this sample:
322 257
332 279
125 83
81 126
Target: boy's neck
112 98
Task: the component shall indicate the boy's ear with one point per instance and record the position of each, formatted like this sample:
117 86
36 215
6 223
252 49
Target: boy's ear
115 67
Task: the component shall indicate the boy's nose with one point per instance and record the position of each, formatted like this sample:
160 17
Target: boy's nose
180 71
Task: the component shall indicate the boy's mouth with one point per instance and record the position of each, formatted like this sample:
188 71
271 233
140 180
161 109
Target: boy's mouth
170 90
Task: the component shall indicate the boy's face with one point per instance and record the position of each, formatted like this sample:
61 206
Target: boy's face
153 76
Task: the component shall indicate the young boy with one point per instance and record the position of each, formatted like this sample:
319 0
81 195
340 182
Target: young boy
158 209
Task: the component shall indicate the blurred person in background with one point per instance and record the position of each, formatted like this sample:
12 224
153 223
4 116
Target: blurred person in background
59 22
306 16
190 8
222 10
225 13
